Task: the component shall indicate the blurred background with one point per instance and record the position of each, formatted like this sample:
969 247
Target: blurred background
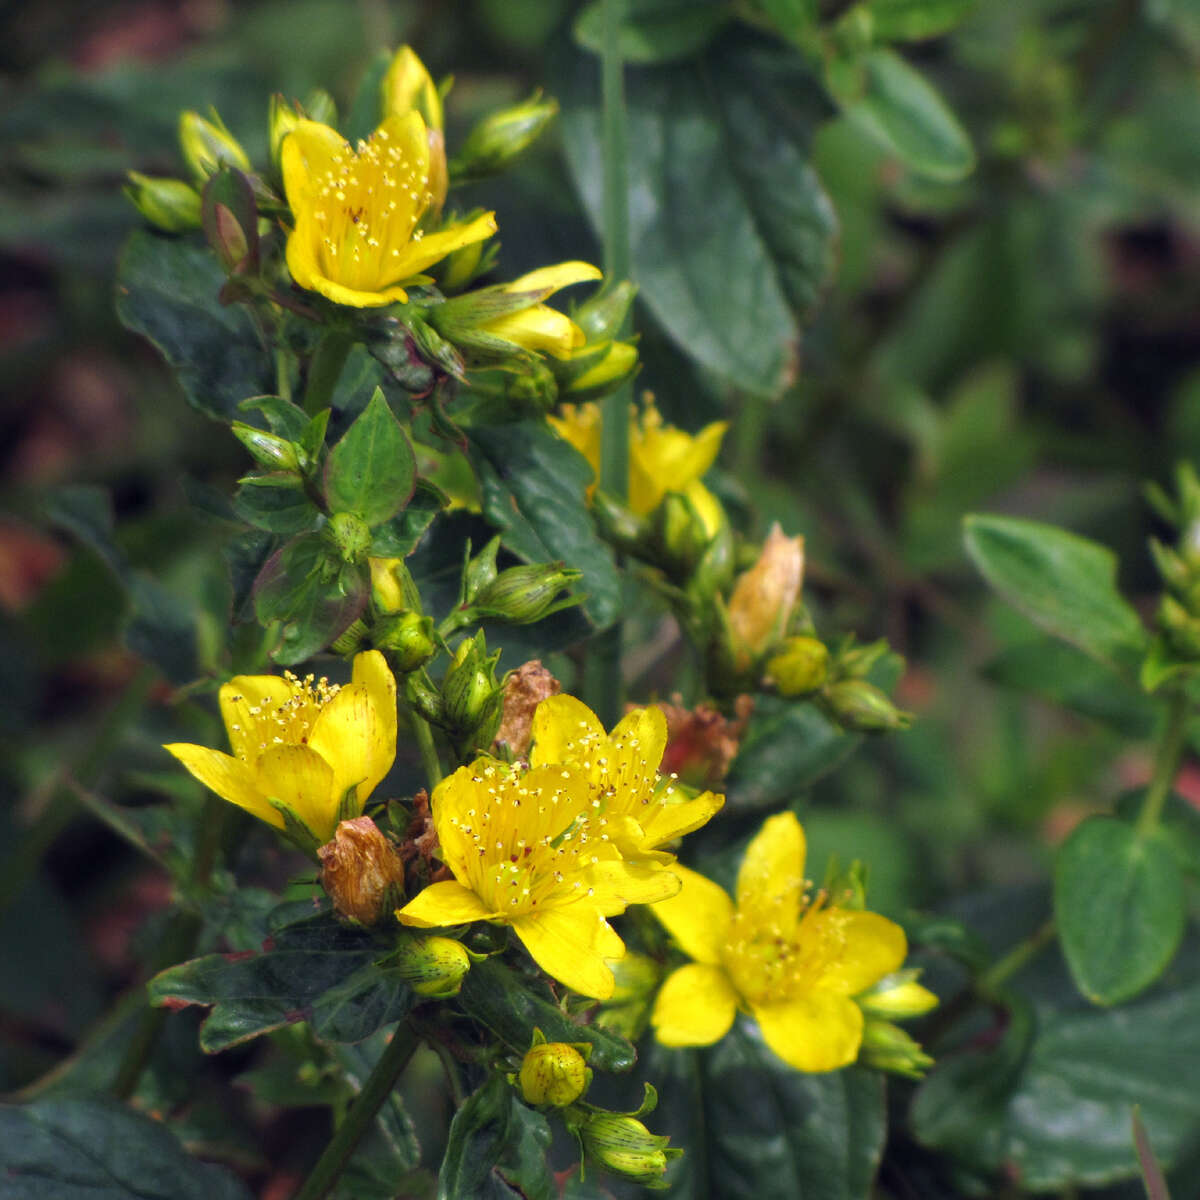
1026 340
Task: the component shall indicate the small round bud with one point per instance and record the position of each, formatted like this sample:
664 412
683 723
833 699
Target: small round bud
898 996
168 204
522 595
408 639
860 705
554 1074
208 145
801 666
623 1145
765 596
361 871
350 534
432 966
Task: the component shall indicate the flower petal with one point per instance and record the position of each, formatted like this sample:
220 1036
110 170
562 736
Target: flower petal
771 878
872 946
302 781
698 917
538 328
230 778
551 279
342 736
433 247
239 699
371 670
695 1006
819 1032
307 153
571 944
664 822
563 729
580 425
631 883
442 904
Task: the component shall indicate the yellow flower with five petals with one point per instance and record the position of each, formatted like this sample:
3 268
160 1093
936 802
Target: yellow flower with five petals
357 237
795 963
306 747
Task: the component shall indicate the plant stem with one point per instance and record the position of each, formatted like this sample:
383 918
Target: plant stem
748 435
1023 952
362 1112
1166 765
429 755
325 369
283 373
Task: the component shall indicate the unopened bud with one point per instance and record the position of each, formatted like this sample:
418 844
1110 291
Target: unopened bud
479 572
522 595
407 85
281 120
898 996
350 534
361 871
392 587
593 372
1181 628
623 1145
267 448
499 139
471 696
408 639
860 705
603 316
432 966
554 1074
886 1047
764 596
208 145
682 531
168 204
800 667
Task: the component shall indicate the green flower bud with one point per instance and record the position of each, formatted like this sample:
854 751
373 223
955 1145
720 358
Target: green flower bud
603 316
408 639
860 705
168 204
619 525
801 666
898 996
1171 567
522 595
282 118
267 448
479 572
499 139
886 1047
432 966
623 1145
392 586
208 145
594 372
554 1074
350 534
472 699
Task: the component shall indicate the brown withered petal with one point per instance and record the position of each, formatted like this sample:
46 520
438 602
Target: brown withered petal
765 595
526 688
361 871
701 742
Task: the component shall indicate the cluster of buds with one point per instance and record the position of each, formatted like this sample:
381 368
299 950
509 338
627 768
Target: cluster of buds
1176 650
885 1046
851 698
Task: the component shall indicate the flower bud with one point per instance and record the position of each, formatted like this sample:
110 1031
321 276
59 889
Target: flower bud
479 572
524 689
554 1074
593 372
898 995
522 595
408 639
623 1145
800 667
860 705
168 204
407 85
282 118
764 596
685 525
603 316
1181 628
472 699
268 449
208 145
431 966
500 138
361 871
350 534
392 586
886 1047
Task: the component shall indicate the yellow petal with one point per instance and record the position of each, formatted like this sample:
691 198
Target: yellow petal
441 904
708 507
698 916
407 85
302 781
306 155
241 695
433 247
819 1032
563 728
538 328
339 293
551 279
371 670
667 822
230 778
571 945
579 424
632 883
872 946
342 736
695 1007
771 878
639 740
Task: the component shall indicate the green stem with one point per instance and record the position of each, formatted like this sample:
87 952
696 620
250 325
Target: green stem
1166 765
1023 952
283 373
368 1102
748 435
428 749
325 369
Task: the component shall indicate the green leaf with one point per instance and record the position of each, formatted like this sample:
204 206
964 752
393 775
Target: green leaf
371 471
286 419
1180 825
901 110
754 1129
534 487
512 1009
1119 903
398 537
912 20
653 31
275 502
726 279
496 1140
317 970
167 291
82 1148
1063 583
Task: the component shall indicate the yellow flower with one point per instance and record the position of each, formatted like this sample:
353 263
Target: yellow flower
302 746
525 853
795 963
640 810
356 238
662 458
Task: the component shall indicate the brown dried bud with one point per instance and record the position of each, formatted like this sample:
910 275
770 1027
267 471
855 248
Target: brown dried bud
765 596
701 742
525 689
361 871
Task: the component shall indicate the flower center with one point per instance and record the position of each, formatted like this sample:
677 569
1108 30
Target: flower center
288 723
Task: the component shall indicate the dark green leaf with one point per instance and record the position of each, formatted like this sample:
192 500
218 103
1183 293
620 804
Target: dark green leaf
902 111
1119 903
167 291
911 20
1063 583
247 553
371 470
398 537
85 512
290 575
320 613
534 486
284 418
81 1148
495 1139
653 31
497 997
162 629
276 503
1180 825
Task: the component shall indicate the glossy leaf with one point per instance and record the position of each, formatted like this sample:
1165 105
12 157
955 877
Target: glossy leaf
911 20
84 1148
1119 903
167 291
1064 583
275 503
371 471
653 31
